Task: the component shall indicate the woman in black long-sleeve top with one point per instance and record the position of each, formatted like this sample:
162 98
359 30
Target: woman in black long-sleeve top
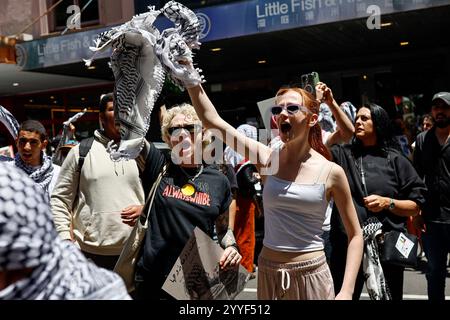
393 190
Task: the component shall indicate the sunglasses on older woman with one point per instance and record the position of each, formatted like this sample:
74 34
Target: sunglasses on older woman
291 109
188 127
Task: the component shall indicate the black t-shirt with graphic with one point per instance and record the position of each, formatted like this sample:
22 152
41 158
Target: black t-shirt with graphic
174 216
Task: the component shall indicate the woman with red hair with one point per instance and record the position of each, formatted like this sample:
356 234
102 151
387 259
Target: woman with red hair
299 181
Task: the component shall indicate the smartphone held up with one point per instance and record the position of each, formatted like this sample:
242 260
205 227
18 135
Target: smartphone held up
309 82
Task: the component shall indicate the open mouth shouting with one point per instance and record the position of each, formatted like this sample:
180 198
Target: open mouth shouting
285 128
285 131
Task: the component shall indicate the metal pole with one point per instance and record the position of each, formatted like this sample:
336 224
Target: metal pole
38 18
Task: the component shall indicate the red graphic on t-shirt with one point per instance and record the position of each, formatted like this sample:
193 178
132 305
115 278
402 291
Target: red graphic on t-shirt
200 198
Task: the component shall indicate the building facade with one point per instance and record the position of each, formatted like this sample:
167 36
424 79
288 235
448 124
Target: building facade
377 50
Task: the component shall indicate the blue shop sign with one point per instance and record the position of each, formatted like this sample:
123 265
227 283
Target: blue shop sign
60 50
221 22
256 16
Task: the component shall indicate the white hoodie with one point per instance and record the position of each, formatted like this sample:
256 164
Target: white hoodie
105 188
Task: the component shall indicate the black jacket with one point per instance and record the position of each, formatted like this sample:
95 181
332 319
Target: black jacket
388 174
432 162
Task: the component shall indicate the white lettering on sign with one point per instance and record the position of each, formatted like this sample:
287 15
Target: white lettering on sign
286 7
374 20
74 21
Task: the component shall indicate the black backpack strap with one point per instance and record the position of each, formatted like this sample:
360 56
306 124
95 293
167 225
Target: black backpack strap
85 146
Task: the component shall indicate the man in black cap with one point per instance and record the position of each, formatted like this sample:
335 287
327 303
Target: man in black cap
432 161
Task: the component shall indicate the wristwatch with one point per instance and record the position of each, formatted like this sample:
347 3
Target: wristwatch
391 204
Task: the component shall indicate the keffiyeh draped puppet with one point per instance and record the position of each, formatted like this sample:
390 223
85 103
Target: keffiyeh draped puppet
141 58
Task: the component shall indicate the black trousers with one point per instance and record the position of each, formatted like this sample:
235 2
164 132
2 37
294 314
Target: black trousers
148 286
107 262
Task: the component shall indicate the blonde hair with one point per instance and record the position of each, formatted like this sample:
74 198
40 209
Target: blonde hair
185 109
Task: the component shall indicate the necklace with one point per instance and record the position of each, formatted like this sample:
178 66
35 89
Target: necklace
188 189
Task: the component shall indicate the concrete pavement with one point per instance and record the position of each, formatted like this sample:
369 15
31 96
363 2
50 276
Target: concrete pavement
414 288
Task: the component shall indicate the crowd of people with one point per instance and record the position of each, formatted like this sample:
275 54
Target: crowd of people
315 202
332 178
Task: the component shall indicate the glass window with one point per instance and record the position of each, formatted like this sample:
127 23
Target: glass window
59 16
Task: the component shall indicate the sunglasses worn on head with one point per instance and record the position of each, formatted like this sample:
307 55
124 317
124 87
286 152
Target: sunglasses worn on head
189 127
291 109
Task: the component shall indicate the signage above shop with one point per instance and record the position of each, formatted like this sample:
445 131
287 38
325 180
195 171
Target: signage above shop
60 50
256 16
221 22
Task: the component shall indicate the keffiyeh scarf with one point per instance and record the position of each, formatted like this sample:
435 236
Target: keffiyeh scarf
43 175
28 239
373 272
9 121
141 58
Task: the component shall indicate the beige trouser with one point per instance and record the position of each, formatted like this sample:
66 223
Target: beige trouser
305 280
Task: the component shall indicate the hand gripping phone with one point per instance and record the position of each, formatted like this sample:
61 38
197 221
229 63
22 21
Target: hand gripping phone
309 82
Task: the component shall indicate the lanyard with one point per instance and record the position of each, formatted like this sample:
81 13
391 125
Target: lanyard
363 177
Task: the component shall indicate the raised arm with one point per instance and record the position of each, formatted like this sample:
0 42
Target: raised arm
345 128
255 151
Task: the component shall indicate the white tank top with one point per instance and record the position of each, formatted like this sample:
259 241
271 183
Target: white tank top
294 214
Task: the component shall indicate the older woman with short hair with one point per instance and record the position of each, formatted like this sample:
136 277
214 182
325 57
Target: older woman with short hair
191 194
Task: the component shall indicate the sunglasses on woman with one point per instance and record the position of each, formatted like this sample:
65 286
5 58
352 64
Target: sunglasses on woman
188 127
291 109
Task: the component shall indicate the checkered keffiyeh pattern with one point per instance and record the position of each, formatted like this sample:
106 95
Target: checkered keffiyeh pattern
42 175
141 59
373 272
28 239
9 121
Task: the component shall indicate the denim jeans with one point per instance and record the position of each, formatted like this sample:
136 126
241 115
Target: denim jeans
436 242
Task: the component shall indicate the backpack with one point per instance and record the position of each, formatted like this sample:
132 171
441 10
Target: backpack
85 146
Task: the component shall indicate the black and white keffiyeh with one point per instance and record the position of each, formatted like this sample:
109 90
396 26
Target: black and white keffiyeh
42 175
141 58
28 239
9 121
373 272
